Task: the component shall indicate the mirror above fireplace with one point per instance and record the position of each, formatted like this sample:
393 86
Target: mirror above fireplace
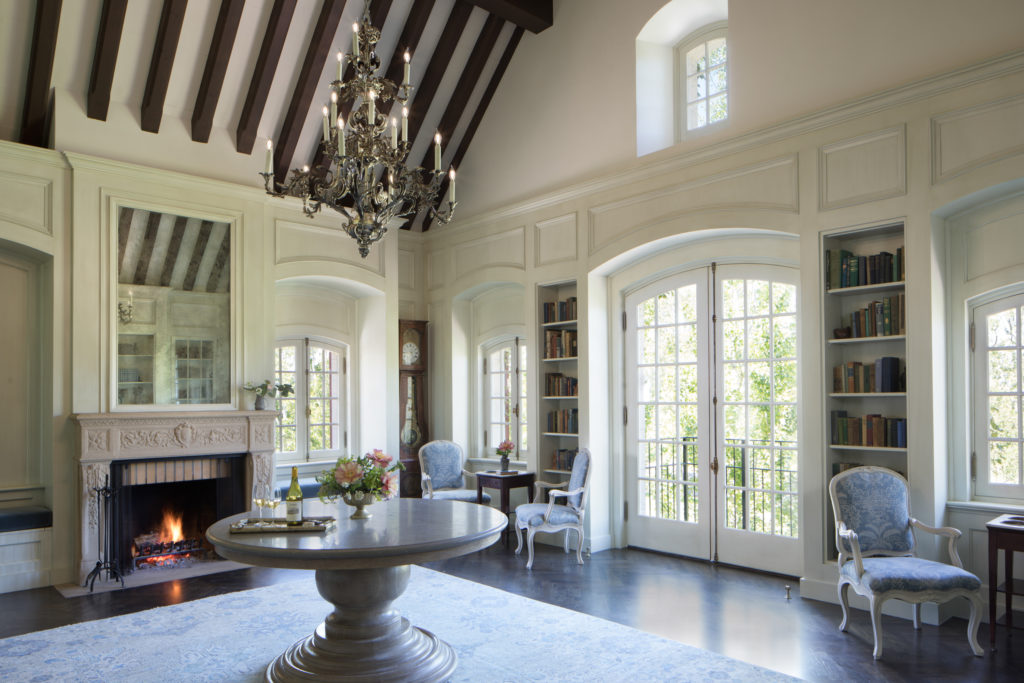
173 317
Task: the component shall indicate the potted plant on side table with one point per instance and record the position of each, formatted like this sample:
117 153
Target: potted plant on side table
504 449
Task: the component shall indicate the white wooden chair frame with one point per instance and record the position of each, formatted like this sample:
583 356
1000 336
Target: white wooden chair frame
554 491
913 597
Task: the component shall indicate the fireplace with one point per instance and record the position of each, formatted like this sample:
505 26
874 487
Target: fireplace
158 460
162 507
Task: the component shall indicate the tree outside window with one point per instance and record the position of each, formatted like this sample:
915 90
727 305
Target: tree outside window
313 423
703 65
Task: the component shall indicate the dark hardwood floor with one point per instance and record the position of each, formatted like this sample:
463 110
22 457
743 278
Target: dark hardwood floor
735 612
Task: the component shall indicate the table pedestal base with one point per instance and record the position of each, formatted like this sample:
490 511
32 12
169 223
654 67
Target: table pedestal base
364 639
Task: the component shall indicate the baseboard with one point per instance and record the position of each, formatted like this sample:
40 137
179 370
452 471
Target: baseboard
931 613
25 559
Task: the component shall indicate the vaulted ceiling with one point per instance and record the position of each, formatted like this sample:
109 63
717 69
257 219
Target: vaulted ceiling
256 69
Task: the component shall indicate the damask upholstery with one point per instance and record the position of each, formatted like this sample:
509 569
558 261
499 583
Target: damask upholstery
875 539
442 472
551 518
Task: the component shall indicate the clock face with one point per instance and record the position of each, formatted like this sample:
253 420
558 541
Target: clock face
410 353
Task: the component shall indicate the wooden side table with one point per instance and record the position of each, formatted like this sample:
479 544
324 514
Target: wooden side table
504 482
1006 532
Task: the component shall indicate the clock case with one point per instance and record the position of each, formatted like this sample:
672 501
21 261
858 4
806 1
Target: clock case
413 407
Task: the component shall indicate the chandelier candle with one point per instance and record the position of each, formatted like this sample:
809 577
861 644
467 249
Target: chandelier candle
366 178
341 63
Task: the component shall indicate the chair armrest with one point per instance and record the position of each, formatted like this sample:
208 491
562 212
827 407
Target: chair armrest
950 532
851 537
426 482
539 486
560 494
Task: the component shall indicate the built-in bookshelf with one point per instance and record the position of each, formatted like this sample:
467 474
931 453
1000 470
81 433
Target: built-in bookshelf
558 377
134 369
864 350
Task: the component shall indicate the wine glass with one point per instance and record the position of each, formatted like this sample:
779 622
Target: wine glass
258 500
272 500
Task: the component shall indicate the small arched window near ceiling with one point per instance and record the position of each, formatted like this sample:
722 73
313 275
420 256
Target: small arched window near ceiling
682 73
703 67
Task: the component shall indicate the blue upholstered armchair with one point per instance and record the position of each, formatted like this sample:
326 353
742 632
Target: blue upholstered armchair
875 539
442 472
551 518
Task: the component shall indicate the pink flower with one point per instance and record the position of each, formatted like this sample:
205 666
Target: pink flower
348 473
390 484
505 447
379 457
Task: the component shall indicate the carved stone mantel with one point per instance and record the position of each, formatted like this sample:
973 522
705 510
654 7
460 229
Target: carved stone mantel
106 437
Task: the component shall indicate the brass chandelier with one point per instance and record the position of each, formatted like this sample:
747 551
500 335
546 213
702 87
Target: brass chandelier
366 179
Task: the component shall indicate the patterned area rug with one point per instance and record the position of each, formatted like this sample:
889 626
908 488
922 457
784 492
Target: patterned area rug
498 636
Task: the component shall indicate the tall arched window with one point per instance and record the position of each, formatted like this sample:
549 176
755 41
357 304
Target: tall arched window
703 66
505 396
314 421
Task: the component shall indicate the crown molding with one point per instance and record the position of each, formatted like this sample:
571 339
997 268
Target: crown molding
38 155
177 179
639 169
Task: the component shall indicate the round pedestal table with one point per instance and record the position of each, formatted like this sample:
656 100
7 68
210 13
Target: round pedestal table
361 567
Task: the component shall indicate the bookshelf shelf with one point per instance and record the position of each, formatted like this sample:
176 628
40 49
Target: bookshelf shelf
888 449
860 289
868 394
559 324
876 338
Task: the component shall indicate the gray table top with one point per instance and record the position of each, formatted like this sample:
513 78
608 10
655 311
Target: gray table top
401 531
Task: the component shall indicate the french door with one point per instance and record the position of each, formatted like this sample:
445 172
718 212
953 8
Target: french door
711 382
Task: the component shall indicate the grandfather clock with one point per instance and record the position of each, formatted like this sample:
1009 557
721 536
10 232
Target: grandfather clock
412 383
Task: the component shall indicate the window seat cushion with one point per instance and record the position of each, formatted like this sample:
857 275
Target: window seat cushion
25 517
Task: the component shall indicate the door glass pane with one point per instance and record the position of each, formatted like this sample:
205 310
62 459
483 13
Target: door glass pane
759 406
667 405
1003 364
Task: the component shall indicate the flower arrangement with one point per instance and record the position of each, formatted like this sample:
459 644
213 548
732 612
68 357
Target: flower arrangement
505 448
372 475
269 388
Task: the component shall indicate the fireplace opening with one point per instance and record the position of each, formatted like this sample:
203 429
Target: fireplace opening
163 507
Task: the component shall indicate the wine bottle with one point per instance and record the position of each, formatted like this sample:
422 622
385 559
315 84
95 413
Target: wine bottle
293 501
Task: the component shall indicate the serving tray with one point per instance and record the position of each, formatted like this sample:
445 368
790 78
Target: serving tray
278 525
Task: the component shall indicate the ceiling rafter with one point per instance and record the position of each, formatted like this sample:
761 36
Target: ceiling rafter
171 18
533 15
423 95
378 14
481 109
305 86
263 75
104 59
216 67
485 43
35 114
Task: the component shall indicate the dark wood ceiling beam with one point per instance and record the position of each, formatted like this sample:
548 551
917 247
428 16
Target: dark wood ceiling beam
305 86
104 58
424 93
481 109
167 34
173 248
148 241
263 75
35 114
216 66
220 267
533 15
197 256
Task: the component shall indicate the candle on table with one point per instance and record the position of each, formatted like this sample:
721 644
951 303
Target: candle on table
437 152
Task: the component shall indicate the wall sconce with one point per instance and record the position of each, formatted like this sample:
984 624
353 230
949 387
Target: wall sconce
126 311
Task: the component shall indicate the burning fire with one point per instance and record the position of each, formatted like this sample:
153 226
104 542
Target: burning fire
170 530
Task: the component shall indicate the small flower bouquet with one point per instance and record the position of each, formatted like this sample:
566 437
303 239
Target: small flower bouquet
269 388
504 449
369 477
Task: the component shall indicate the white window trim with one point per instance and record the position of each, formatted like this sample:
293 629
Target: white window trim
719 29
518 343
303 455
981 489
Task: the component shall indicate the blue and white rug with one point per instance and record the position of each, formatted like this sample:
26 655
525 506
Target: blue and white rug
498 636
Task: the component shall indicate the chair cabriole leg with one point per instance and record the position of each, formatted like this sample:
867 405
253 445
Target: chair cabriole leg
579 545
529 547
876 624
519 538
972 625
917 616
845 602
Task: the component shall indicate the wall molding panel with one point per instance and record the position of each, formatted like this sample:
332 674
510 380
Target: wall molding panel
863 169
506 249
767 186
298 242
26 202
966 139
555 240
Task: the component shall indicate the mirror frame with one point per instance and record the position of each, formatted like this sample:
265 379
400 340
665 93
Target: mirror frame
233 220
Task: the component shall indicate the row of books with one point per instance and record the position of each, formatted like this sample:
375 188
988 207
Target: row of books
557 311
838 467
560 343
845 269
563 457
870 430
880 318
565 421
883 375
557 384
